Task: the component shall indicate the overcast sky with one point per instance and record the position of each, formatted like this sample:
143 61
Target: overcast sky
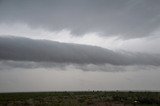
79 45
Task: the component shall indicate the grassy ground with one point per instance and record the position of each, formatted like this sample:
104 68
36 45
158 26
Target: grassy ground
92 98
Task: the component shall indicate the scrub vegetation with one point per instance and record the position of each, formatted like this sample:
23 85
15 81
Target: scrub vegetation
82 98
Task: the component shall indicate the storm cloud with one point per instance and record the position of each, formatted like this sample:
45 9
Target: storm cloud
25 49
124 18
60 45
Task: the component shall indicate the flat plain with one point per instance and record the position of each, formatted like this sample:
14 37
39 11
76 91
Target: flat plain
81 98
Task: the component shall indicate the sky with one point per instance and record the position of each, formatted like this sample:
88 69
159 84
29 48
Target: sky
77 45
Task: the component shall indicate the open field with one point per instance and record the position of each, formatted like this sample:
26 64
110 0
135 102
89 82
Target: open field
88 98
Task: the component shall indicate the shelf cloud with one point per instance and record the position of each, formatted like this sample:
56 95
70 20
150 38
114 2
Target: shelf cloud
60 45
25 49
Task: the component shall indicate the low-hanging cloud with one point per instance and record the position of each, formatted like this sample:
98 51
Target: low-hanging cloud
27 65
24 49
127 18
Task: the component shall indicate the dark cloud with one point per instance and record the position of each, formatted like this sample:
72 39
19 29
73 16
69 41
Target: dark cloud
24 49
128 18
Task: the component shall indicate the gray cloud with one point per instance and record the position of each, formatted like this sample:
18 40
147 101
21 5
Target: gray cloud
128 18
27 65
24 49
